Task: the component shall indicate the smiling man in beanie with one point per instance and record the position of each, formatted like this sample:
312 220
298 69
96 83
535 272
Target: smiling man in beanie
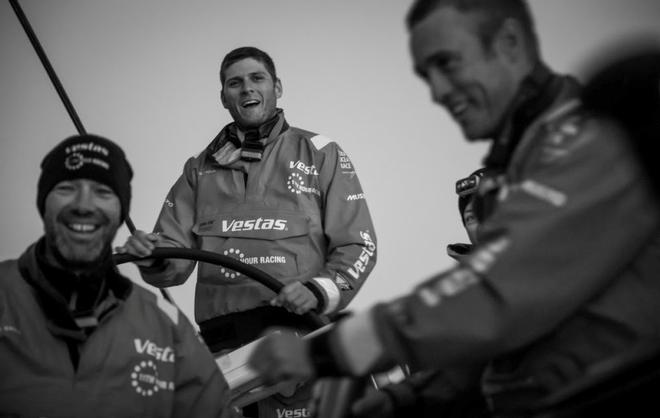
76 337
81 235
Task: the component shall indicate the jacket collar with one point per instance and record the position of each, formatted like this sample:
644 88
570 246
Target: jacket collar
538 91
234 134
54 287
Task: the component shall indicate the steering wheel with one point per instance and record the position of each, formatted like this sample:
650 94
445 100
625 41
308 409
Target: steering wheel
314 320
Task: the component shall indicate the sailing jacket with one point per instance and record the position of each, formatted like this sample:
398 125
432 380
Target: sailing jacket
564 280
143 358
298 214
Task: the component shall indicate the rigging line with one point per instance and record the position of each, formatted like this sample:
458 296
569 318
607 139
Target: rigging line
47 66
63 96
54 79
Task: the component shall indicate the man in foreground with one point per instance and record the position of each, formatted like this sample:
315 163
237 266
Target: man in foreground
563 283
77 338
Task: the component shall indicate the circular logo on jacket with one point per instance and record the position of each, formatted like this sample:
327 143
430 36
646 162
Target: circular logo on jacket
235 253
144 378
294 182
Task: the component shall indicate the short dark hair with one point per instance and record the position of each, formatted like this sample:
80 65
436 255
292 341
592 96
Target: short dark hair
243 53
494 12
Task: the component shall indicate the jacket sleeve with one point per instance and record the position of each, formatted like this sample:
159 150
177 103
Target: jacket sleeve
577 216
351 250
200 388
174 224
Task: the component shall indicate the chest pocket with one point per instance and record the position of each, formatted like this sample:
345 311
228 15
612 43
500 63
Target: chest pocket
277 242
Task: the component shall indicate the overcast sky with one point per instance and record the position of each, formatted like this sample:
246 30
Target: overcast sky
145 74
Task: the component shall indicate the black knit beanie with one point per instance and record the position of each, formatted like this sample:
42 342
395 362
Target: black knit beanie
86 157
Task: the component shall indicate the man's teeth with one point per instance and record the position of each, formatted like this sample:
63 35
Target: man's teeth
250 102
82 227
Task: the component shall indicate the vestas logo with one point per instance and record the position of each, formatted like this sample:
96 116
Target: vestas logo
259 224
307 169
87 146
369 249
293 413
165 355
75 159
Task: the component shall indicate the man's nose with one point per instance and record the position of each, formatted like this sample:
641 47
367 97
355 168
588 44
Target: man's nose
248 86
84 199
440 87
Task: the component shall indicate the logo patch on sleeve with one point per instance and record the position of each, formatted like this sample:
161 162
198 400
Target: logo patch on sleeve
342 283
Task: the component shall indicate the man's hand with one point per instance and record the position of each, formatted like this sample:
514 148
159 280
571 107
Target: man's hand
280 357
295 298
141 244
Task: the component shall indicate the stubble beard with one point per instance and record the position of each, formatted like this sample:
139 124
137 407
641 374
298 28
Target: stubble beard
78 256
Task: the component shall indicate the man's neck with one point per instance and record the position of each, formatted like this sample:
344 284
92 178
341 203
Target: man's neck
536 92
265 128
529 87
53 258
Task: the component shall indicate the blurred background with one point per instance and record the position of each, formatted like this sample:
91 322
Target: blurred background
145 74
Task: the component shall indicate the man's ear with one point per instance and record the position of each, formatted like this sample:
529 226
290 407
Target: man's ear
511 41
222 99
278 89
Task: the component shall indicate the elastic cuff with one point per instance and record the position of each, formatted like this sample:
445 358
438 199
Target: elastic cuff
331 295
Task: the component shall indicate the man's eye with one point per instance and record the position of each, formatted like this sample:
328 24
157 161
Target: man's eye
104 191
446 64
64 187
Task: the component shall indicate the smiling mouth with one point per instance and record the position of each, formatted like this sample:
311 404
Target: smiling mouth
82 227
250 103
